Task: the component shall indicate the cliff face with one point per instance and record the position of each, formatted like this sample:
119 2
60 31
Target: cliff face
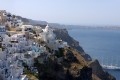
72 67
97 70
63 34
96 67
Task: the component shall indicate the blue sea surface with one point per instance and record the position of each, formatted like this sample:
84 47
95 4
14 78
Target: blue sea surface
101 44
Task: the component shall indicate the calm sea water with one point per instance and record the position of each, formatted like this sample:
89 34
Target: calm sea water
101 44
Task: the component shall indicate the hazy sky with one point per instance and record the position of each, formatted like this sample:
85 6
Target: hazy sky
79 12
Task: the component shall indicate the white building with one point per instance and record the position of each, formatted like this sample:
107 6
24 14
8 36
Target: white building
26 28
2 30
48 35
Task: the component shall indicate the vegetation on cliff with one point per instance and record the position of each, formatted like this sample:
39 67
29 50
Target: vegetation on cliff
70 66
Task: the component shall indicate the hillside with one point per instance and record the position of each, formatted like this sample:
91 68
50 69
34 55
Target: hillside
97 71
63 34
69 63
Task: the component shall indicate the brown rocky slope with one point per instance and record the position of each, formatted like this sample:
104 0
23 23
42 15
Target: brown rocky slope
72 67
96 67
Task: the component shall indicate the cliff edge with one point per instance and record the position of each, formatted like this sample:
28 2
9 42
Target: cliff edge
70 66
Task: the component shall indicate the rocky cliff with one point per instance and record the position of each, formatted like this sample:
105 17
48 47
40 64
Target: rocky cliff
96 67
63 34
97 70
70 66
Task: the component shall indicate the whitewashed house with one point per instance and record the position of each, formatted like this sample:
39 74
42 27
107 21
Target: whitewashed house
2 30
26 28
48 35
19 42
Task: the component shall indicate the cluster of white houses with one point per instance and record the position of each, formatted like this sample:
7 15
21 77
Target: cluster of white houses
20 44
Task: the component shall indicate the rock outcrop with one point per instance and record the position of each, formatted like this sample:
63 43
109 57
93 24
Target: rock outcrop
72 67
69 68
97 70
63 34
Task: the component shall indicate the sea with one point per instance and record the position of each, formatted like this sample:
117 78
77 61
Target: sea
101 44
